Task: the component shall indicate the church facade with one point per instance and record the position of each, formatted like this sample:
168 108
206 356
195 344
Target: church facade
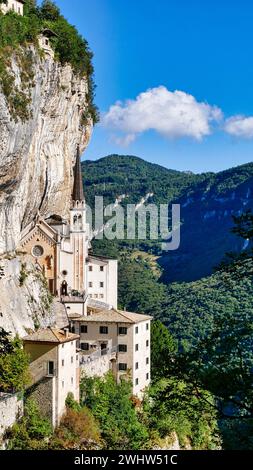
60 248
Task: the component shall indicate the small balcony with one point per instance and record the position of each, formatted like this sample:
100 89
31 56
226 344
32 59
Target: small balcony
90 356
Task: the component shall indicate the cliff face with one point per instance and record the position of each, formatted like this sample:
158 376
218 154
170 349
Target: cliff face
24 301
37 155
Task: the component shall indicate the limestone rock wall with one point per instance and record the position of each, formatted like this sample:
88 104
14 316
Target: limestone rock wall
11 408
37 155
24 299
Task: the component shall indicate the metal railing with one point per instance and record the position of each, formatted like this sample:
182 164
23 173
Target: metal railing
97 355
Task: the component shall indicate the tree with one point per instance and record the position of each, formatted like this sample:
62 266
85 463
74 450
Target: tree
113 408
6 345
163 349
14 364
31 432
174 405
78 430
223 363
49 11
30 7
244 225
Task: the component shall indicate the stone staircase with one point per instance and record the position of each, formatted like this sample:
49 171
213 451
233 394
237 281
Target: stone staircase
60 314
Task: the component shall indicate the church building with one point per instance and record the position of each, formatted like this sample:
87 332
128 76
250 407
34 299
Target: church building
87 286
60 249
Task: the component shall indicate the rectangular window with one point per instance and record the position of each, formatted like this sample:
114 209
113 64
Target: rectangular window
101 296
90 284
90 268
136 381
122 366
72 380
136 330
147 376
122 348
137 347
84 329
101 268
62 362
122 330
136 365
85 346
147 343
50 368
147 360
72 359
101 284
62 384
103 330
147 326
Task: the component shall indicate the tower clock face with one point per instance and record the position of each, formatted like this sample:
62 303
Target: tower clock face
37 251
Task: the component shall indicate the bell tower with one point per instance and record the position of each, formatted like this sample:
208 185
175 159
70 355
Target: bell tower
78 229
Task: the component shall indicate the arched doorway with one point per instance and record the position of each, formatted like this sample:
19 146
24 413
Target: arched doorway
64 289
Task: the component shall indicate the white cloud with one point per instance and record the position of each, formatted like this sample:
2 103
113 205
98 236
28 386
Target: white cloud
173 114
123 141
239 126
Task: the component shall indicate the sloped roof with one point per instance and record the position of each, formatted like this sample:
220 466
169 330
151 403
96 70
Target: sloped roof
115 316
78 194
50 335
100 258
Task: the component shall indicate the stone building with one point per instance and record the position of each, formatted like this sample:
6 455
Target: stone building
60 248
44 42
16 6
124 333
54 368
87 286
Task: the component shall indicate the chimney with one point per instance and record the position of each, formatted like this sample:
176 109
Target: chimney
66 332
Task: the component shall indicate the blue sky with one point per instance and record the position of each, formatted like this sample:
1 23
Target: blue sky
202 48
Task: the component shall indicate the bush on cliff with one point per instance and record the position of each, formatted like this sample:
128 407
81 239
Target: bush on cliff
14 364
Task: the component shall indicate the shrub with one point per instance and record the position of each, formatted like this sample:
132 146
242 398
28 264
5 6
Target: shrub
14 367
78 429
31 432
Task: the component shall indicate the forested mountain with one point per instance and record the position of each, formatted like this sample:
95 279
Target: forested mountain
209 312
208 202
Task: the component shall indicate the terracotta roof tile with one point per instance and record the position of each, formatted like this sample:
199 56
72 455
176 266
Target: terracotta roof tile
115 316
50 335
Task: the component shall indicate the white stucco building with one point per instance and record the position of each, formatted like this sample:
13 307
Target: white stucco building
87 285
54 369
16 6
102 274
125 333
44 42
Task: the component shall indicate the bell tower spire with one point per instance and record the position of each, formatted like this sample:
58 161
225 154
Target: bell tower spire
78 194
78 229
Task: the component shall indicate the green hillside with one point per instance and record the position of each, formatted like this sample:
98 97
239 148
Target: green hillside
208 203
